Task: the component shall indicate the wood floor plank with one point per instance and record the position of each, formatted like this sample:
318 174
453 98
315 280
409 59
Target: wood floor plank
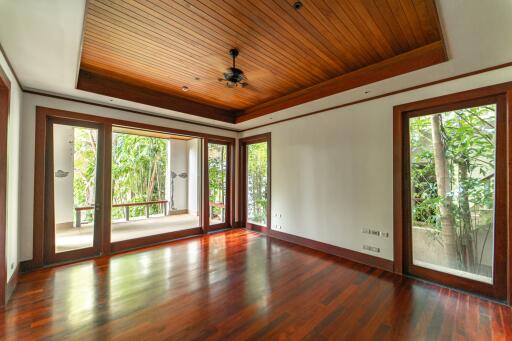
240 285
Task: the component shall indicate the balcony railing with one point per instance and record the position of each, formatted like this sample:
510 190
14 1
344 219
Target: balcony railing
78 210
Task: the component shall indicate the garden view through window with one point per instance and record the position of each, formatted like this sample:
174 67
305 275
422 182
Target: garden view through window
217 177
155 184
257 183
452 174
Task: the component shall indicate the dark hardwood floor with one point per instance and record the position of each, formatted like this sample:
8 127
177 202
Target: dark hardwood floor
240 285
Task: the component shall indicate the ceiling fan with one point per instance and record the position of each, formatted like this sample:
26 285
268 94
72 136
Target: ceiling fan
234 76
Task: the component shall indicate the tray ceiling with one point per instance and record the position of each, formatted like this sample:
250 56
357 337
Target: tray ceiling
147 51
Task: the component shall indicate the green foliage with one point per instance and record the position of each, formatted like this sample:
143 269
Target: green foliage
84 179
468 137
217 171
138 172
257 185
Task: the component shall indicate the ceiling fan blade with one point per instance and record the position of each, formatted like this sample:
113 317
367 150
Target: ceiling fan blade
257 74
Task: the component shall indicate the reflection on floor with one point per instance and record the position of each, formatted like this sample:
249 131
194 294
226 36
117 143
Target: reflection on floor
78 238
240 285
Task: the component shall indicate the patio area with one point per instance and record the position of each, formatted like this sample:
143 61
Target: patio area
72 238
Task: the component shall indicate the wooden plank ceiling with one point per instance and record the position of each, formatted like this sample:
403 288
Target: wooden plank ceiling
164 45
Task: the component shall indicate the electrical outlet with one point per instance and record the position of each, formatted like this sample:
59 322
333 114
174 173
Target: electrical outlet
371 248
371 232
375 233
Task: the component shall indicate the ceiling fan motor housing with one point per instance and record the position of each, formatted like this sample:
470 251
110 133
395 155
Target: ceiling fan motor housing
234 76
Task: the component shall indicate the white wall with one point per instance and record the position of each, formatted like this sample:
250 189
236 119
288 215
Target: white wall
13 168
63 159
194 176
179 165
332 173
30 102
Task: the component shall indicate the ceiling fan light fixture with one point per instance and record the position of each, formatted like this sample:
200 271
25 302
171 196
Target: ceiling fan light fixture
234 76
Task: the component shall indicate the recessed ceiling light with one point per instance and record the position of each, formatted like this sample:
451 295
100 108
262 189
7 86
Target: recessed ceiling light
297 5
184 88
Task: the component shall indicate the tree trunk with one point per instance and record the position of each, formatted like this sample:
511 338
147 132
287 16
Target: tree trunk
152 180
467 249
443 187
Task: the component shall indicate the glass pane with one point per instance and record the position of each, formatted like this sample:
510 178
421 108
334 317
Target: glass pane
257 186
217 175
74 164
452 189
154 184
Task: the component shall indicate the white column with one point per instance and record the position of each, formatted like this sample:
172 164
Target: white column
168 178
193 174
64 140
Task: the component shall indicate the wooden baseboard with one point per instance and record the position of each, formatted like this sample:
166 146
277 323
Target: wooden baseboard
28 265
352 255
11 284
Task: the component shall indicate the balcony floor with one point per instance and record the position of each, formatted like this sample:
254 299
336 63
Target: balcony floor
78 238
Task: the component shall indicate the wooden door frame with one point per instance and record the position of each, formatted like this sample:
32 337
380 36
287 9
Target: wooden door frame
5 97
228 211
242 180
400 177
50 255
42 115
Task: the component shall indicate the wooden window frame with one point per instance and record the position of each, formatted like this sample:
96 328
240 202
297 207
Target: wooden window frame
502 95
43 114
242 181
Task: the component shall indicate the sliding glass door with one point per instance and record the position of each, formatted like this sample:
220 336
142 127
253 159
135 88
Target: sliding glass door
73 190
103 186
456 176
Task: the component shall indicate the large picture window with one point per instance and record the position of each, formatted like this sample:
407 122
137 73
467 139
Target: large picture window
154 184
454 193
453 164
